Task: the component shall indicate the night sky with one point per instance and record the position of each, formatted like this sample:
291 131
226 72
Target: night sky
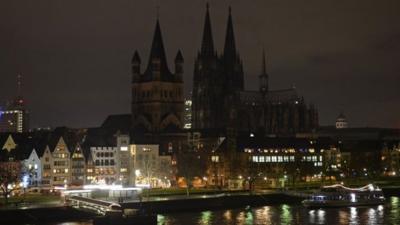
75 55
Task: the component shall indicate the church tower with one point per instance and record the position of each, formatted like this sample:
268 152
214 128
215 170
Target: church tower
232 64
207 90
157 93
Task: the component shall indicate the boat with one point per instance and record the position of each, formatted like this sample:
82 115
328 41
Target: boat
340 196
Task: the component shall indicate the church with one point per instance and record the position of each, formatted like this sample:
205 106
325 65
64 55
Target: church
221 103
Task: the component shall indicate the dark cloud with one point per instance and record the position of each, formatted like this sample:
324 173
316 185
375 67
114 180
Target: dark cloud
75 55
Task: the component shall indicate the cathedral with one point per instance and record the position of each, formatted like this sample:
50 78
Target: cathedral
157 93
220 102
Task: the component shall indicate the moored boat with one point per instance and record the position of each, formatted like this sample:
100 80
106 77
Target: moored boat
340 196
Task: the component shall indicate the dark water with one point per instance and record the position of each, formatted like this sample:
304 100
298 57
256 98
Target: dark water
286 214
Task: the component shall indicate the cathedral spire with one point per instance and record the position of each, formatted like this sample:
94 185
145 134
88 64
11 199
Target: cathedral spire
263 76
207 45
264 66
158 60
230 47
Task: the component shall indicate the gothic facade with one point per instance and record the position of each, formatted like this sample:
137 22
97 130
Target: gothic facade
221 103
157 93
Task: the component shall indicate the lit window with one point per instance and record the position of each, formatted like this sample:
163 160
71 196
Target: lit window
273 158
124 148
123 170
262 159
286 158
268 158
255 158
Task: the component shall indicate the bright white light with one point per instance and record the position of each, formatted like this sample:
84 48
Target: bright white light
124 148
353 197
137 173
102 186
371 187
143 185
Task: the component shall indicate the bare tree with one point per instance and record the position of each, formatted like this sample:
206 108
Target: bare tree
10 176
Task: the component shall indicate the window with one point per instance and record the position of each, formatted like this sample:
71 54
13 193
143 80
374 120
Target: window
123 170
112 163
280 159
291 158
255 158
215 158
97 163
262 158
286 158
267 158
273 158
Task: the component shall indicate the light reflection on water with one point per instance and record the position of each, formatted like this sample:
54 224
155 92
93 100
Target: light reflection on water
284 214
289 214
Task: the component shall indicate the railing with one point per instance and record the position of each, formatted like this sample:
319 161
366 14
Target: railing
97 206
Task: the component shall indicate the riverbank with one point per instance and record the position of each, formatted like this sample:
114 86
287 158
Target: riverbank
43 215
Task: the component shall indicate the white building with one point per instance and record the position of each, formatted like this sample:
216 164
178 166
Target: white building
105 164
125 162
33 168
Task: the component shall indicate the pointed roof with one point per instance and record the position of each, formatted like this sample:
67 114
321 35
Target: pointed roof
9 144
136 57
158 52
264 65
207 44
179 57
230 46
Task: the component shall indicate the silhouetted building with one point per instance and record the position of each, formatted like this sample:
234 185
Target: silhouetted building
341 122
157 94
221 103
15 118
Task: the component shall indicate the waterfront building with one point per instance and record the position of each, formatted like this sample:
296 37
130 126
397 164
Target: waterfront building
125 160
33 169
61 164
151 168
78 167
105 164
90 170
390 159
47 168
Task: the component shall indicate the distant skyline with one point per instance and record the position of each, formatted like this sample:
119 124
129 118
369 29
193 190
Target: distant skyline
75 55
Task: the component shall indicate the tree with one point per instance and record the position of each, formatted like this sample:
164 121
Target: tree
10 176
190 165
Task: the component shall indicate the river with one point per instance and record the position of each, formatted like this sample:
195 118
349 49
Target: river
284 214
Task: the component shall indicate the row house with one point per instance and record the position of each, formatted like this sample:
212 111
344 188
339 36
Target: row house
71 165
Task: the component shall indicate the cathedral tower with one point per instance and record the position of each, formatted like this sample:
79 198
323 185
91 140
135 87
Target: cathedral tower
157 94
